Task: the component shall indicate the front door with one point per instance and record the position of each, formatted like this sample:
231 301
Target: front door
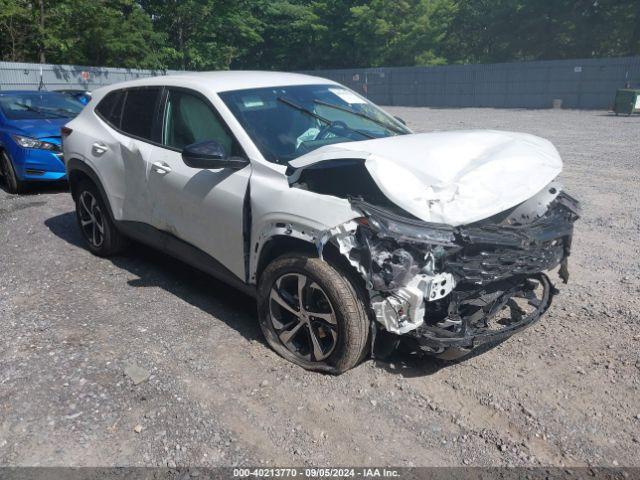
200 206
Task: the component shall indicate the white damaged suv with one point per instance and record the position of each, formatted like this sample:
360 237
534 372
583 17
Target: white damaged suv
352 232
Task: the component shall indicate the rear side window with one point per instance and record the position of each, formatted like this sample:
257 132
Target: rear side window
110 107
139 112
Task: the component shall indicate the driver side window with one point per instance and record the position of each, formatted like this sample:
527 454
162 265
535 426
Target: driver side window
189 119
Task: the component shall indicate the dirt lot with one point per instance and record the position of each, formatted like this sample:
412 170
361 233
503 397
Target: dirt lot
564 392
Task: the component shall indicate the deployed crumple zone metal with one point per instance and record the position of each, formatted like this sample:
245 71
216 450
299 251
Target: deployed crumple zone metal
454 288
456 229
452 252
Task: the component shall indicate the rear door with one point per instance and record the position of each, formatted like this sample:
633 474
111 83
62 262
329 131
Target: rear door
203 207
119 149
140 125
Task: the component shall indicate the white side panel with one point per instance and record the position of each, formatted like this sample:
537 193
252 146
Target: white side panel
278 209
121 167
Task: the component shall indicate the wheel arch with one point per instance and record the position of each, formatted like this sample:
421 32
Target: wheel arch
279 245
78 171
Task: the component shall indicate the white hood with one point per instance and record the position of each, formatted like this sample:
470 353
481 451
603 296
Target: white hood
453 178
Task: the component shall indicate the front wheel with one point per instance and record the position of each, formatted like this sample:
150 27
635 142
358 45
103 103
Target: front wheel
11 180
311 314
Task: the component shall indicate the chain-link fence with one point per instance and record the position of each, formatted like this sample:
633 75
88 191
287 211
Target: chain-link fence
588 84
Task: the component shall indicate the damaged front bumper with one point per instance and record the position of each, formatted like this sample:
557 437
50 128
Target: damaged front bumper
450 289
489 314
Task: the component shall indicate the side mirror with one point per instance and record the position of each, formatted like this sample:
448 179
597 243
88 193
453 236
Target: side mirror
210 154
401 120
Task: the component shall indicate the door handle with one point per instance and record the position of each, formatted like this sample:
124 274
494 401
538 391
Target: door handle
99 148
161 167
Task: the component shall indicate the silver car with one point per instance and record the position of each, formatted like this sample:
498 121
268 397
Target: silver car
353 233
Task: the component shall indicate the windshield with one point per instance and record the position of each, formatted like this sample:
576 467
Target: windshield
38 105
287 122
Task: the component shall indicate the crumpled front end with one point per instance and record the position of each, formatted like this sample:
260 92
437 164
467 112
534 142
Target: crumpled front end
451 289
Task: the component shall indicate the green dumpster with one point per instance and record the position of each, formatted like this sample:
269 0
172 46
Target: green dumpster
627 101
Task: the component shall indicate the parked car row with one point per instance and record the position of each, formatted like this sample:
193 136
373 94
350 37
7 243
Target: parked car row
83 96
353 233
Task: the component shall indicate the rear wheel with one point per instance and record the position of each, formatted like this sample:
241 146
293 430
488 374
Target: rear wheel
101 234
11 180
312 315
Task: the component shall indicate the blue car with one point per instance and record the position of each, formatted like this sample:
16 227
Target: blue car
30 142
83 96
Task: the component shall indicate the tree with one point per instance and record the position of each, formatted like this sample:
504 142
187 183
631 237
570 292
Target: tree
290 35
311 34
123 36
399 32
16 30
204 34
508 30
66 31
336 45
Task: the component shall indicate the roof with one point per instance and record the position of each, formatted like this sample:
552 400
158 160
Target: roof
222 81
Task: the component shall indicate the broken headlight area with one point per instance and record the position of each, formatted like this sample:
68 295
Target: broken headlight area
492 251
459 286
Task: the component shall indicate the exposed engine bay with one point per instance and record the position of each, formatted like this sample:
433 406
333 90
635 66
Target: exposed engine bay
453 288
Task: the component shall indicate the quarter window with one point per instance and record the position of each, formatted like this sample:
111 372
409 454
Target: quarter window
189 119
139 111
110 107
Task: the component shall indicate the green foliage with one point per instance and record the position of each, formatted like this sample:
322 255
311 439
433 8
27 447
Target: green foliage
109 32
400 32
308 34
16 30
204 34
289 33
507 30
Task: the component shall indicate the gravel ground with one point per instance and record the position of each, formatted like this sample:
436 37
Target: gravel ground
564 392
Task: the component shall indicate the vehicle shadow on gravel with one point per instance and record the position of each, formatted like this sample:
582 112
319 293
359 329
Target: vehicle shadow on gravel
155 269
36 188
411 365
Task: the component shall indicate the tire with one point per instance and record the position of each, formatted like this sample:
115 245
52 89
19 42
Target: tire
11 180
340 326
94 220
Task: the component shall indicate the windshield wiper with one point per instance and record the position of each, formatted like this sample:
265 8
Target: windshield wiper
67 111
319 117
39 110
362 115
